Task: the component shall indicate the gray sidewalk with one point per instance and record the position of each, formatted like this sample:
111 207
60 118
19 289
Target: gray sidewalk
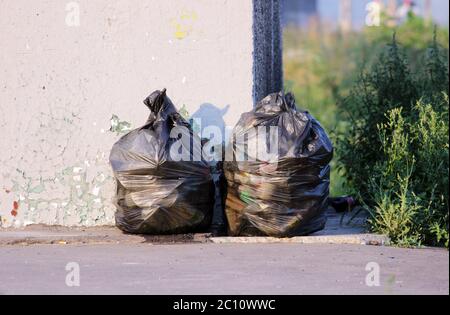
335 232
331 261
223 269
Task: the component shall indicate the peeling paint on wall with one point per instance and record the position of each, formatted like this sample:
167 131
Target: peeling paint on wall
184 24
75 195
64 103
40 181
118 126
15 209
184 112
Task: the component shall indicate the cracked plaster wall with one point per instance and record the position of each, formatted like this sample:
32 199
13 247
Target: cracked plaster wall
68 92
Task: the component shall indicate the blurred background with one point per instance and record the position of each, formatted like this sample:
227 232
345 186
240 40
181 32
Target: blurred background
335 12
328 43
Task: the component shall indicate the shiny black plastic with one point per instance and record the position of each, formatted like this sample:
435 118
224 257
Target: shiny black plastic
155 194
286 197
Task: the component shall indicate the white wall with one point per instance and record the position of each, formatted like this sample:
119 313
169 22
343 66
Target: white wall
61 84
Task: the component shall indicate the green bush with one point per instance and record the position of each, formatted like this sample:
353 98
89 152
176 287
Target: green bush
395 153
415 34
321 65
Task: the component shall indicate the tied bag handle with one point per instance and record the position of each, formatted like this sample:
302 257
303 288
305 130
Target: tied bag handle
154 102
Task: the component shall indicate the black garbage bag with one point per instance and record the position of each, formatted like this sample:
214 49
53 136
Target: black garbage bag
157 194
285 196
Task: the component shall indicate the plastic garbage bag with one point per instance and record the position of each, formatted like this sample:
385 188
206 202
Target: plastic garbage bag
157 194
287 195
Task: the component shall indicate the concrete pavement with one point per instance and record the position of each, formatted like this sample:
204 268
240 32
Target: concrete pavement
336 231
285 268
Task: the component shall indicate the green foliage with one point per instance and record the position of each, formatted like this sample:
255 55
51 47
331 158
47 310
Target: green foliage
430 145
415 35
391 129
394 212
435 72
322 64
388 85
396 152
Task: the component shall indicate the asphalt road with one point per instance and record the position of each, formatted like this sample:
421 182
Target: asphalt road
222 269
